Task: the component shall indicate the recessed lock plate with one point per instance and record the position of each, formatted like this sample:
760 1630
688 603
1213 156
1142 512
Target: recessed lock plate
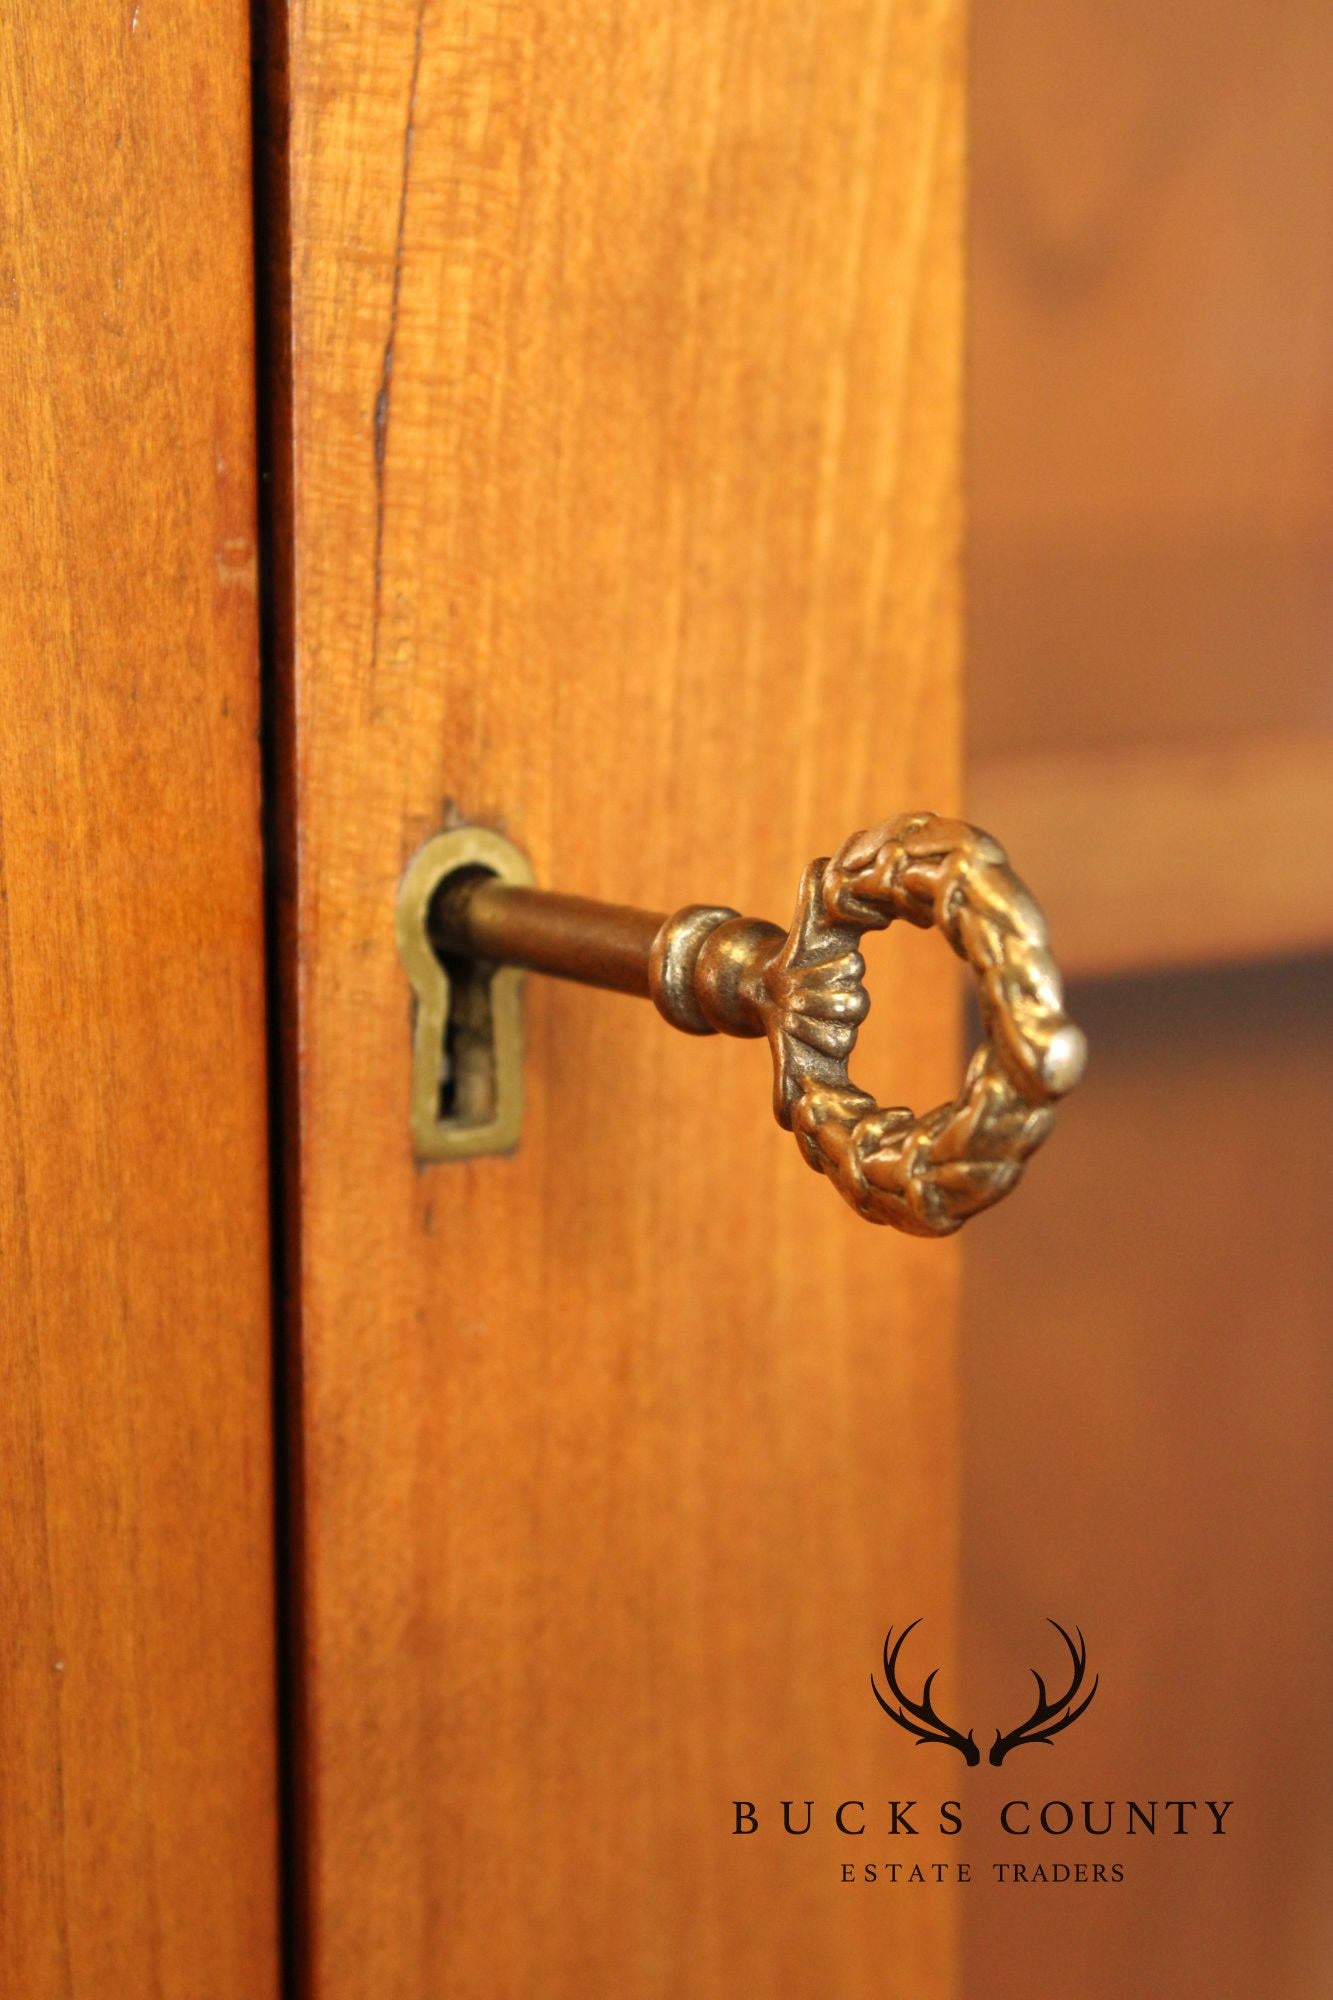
467 1039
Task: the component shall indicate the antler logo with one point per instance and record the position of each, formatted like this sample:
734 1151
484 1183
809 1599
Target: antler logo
920 1719
1048 1718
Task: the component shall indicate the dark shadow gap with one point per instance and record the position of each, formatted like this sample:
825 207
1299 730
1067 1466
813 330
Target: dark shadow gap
273 387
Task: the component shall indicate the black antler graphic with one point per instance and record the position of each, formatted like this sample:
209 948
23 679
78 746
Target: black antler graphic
920 1719
1048 1718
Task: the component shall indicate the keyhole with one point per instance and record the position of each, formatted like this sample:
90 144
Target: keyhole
467 1069
467 1050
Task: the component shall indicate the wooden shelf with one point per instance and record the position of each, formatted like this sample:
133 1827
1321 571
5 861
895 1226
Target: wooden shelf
1150 858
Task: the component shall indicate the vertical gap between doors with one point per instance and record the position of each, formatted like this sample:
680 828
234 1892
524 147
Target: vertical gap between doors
273 389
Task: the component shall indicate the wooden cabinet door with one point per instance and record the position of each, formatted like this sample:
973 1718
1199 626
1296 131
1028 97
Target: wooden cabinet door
615 455
138 1757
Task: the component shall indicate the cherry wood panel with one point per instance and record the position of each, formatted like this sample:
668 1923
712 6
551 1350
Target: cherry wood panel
138 1852
621 488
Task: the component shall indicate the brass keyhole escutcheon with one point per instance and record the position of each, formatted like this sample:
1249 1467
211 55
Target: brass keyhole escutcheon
467 1034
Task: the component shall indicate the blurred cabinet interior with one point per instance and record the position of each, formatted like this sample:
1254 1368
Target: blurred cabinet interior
1151 608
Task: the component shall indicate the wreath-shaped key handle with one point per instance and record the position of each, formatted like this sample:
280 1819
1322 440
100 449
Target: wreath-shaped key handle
711 971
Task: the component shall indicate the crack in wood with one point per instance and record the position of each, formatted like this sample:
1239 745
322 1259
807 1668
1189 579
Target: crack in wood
384 397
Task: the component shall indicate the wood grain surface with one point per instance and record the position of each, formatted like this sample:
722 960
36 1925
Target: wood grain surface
623 479
137 1757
